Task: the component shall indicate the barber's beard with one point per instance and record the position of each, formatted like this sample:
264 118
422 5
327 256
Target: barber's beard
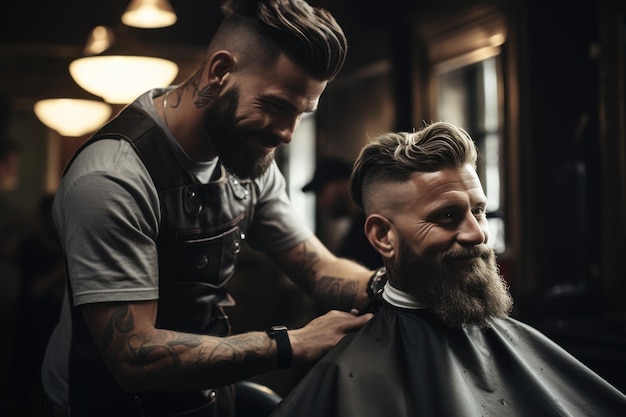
232 142
460 293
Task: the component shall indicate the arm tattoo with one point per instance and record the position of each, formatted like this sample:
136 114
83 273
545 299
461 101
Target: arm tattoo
303 268
340 291
237 351
337 291
121 321
230 359
142 351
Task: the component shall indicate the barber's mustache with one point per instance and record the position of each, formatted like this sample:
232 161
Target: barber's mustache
266 139
480 251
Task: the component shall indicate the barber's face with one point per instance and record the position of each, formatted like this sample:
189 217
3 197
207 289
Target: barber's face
442 255
257 112
233 142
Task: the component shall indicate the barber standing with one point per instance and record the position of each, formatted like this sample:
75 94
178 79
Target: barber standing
154 208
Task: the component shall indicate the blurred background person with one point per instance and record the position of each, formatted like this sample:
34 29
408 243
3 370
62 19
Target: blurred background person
41 268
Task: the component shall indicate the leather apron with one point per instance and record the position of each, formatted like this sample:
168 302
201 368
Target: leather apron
201 232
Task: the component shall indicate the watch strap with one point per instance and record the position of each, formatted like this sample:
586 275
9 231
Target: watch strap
284 352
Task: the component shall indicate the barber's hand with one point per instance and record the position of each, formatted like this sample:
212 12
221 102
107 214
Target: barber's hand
312 341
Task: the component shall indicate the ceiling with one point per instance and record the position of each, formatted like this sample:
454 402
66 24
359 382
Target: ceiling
41 37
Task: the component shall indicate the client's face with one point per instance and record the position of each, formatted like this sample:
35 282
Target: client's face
442 255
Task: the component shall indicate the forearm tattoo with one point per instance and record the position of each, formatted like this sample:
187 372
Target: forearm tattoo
303 268
220 361
339 291
336 291
236 351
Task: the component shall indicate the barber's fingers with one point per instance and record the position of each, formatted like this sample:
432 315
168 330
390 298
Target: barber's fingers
321 334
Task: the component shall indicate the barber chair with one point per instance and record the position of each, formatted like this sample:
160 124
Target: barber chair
254 400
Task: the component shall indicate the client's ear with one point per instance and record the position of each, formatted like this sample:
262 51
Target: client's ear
381 235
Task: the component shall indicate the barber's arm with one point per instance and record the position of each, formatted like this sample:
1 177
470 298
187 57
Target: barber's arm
336 282
143 357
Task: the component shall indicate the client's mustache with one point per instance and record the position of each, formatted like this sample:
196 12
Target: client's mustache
482 251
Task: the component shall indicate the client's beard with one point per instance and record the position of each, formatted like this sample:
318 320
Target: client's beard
467 296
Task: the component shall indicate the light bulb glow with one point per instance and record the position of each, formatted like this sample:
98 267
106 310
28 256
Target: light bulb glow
72 117
148 14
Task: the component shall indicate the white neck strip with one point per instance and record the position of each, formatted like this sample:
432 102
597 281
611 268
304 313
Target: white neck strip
402 299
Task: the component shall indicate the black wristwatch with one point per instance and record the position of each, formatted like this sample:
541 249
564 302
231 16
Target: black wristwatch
283 346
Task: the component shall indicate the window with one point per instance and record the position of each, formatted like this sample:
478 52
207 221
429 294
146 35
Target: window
468 97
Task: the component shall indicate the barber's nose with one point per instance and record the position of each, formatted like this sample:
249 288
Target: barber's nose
285 135
472 231
286 128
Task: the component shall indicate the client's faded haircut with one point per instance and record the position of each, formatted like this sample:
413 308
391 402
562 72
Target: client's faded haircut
394 156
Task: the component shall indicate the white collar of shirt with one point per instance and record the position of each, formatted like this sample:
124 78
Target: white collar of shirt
402 299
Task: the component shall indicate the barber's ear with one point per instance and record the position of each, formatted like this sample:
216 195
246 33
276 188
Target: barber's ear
381 235
220 64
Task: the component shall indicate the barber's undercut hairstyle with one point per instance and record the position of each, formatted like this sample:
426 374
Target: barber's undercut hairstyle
393 157
262 29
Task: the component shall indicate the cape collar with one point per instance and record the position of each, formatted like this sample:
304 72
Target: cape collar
402 299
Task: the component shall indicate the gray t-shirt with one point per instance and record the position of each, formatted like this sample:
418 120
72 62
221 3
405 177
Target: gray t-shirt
107 214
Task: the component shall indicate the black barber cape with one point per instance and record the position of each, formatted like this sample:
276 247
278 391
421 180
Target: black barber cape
408 363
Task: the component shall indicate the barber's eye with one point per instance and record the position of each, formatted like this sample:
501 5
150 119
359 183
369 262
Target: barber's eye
276 107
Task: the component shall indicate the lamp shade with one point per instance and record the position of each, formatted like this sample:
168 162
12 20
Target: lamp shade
72 117
120 79
149 14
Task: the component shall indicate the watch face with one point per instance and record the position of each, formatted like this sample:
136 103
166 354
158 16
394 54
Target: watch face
380 279
275 329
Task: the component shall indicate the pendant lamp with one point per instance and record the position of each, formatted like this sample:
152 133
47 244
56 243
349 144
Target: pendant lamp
72 117
124 71
149 14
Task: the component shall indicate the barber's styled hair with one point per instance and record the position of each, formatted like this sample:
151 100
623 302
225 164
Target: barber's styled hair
395 156
262 29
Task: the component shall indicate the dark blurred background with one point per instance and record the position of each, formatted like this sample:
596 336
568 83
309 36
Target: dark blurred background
538 84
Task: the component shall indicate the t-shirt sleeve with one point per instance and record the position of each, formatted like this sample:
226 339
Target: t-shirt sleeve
276 225
107 215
